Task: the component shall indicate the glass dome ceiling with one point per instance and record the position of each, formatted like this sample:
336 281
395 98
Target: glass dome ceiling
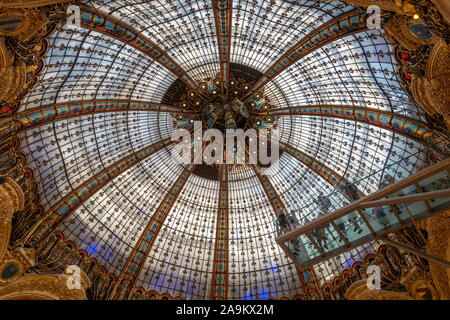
81 64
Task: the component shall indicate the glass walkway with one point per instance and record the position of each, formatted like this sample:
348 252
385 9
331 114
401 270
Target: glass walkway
373 217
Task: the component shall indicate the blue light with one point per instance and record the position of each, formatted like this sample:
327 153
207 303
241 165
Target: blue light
349 262
91 249
264 294
248 297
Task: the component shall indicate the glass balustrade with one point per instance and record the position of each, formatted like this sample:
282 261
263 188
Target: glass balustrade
364 220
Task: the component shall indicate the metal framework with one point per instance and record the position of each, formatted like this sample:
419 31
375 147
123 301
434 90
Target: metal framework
321 169
341 26
219 288
222 14
101 22
307 277
408 127
140 252
77 197
47 114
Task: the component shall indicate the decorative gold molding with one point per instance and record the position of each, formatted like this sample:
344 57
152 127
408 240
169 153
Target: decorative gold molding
387 5
359 291
444 8
398 29
12 200
439 245
432 90
28 3
13 81
32 21
21 259
45 287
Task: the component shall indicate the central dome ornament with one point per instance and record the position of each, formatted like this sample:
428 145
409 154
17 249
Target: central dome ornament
223 109
226 115
226 129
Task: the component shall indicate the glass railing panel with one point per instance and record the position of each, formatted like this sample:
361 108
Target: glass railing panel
382 218
439 181
302 249
327 238
352 226
334 240
417 209
434 203
401 211
411 189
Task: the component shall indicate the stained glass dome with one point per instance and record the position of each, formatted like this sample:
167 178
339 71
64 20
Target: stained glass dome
124 77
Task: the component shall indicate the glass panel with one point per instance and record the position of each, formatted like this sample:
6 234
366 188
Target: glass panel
406 191
416 208
434 203
382 218
302 249
439 181
327 238
352 226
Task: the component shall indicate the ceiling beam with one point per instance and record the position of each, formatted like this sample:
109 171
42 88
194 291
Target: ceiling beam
99 21
223 15
66 206
135 262
219 287
47 114
343 25
408 127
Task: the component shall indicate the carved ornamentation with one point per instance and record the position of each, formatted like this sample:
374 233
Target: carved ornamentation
416 280
139 293
15 263
13 81
399 29
439 245
45 287
23 24
431 91
423 290
28 3
12 200
22 44
387 5
359 291
444 8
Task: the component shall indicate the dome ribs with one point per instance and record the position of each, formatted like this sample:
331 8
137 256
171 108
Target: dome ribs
408 127
78 196
307 277
343 25
222 16
219 287
99 21
136 260
318 167
47 114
